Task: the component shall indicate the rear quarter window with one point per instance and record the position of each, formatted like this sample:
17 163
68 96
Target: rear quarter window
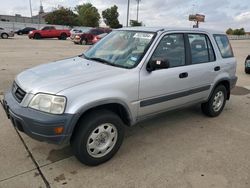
224 46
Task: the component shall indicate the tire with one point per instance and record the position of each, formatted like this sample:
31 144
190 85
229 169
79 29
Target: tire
37 36
247 70
63 36
84 42
214 106
98 137
19 33
4 36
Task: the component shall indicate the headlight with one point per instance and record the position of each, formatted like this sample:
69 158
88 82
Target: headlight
30 32
48 103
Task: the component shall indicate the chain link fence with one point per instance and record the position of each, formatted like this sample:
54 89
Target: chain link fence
239 37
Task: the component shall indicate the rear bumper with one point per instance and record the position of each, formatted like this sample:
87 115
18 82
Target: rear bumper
36 124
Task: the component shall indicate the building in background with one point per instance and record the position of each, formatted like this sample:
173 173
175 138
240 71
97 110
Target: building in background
38 19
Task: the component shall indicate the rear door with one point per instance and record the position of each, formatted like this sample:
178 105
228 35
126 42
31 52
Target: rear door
45 32
203 67
52 32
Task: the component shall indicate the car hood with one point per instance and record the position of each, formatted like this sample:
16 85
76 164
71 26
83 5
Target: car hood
60 75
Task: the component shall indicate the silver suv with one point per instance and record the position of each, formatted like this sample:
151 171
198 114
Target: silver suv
130 75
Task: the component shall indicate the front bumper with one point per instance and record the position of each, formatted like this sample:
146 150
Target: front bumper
77 40
36 124
31 36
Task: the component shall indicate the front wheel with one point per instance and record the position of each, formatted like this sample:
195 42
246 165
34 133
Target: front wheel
37 36
4 36
98 137
214 106
83 42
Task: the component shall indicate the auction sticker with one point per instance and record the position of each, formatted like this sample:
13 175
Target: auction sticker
143 35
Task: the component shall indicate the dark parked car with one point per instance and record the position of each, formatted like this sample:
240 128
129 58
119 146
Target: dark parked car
89 37
247 65
25 30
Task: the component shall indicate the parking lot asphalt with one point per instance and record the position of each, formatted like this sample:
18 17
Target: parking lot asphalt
181 148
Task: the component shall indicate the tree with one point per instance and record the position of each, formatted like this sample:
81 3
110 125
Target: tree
88 15
230 31
62 16
134 23
240 31
110 17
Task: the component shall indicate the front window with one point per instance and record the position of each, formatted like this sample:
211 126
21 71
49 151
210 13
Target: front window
121 48
171 48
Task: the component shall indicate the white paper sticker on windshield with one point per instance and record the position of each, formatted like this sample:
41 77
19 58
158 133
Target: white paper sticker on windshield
143 35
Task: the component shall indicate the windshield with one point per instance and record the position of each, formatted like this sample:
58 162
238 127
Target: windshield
121 48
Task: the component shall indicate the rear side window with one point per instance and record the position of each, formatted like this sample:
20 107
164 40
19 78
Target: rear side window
224 46
201 48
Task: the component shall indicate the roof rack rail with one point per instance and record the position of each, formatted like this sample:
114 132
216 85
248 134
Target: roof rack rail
160 30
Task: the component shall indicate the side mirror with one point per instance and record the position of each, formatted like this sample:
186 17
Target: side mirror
157 64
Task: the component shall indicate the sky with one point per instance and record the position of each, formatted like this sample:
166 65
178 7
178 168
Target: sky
220 14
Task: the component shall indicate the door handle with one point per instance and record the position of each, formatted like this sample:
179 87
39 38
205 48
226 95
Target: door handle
217 68
183 75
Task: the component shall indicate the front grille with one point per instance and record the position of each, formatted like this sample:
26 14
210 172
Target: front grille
17 92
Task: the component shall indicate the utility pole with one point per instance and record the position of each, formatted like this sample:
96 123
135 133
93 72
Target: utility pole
31 12
128 12
137 16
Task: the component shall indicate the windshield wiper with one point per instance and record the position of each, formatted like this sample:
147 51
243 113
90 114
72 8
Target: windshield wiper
100 60
104 61
95 59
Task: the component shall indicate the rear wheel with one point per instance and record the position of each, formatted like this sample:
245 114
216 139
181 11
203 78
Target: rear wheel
98 137
63 36
4 36
37 36
214 106
247 70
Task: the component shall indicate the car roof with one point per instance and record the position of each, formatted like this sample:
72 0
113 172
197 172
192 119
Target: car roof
157 29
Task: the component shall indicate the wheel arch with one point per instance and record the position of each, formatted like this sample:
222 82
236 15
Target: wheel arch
4 34
116 107
226 83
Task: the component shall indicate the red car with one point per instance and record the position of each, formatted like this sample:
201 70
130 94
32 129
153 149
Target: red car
91 36
50 32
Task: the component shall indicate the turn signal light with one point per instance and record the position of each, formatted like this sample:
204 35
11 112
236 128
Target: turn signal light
58 130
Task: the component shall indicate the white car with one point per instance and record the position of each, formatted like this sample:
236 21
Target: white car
6 33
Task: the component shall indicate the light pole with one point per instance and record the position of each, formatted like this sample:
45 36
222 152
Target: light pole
138 2
128 12
31 12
